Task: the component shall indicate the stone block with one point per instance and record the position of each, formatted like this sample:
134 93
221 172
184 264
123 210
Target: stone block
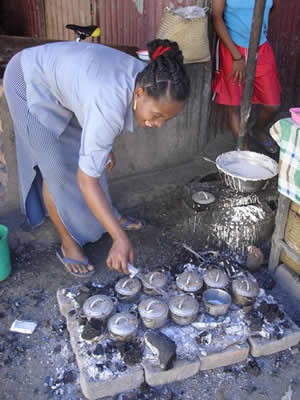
262 347
231 355
182 369
97 389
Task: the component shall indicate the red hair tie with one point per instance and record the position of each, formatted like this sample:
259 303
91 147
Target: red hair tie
160 51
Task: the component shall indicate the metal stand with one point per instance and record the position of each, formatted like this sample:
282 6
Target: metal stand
278 243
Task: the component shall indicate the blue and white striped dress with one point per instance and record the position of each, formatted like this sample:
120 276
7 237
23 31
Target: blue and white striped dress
68 102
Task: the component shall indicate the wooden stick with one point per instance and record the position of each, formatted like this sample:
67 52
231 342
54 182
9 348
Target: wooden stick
250 69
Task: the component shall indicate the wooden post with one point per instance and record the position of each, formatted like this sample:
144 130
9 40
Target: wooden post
43 27
250 69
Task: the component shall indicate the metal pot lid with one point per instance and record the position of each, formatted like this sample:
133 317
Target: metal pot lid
152 308
122 324
128 286
247 287
189 281
203 197
183 306
215 277
98 306
156 279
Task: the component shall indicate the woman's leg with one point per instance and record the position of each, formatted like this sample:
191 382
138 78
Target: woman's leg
69 247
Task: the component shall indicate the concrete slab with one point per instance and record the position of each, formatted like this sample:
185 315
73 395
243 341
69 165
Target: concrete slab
289 281
182 369
263 347
231 355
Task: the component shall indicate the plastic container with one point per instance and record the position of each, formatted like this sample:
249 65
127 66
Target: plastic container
295 112
5 263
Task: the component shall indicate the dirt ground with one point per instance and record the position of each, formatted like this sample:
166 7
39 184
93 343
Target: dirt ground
42 366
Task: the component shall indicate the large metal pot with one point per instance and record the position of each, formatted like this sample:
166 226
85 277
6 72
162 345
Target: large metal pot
189 282
244 291
184 309
246 171
98 307
122 327
154 313
128 289
216 301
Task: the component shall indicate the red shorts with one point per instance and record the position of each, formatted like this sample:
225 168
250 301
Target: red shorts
266 84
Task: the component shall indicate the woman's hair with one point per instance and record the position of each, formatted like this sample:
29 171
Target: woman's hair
165 75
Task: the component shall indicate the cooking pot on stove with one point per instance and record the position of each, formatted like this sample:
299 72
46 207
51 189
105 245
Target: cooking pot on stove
245 171
216 301
156 279
98 307
202 200
189 282
184 309
122 326
214 277
244 290
154 313
128 289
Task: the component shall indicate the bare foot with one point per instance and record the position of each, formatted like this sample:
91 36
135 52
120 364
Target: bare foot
73 251
133 224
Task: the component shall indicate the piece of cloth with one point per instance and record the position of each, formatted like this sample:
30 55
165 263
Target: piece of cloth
42 155
267 87
92 81
238 16
286 133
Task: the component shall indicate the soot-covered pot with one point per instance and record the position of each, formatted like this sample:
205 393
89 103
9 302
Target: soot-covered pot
122 327
154 313
189 282
98 307
244 291
128 289
156 279
184 309
215 278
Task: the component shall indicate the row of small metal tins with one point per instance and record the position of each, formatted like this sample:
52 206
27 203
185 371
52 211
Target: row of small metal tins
183 308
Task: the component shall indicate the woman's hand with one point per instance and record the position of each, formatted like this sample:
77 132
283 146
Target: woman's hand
111 161
238 71
120 254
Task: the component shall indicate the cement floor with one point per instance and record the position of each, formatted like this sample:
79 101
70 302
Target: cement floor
30 364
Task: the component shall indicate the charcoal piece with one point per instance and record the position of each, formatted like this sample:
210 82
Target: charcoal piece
253 368
92 330
71 313
249 388
82 320
132 353
82 297
100 367
254 321
162 346
69 377
204 338
266 281
121 367
57 349
99 350
97 324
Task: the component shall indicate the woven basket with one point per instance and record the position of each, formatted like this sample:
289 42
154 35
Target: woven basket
190 34
292 237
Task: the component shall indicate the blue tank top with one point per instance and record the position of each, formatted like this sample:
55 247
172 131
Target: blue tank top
238 20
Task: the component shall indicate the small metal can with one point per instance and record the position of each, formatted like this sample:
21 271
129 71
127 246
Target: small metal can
128 289
154 313
184 309
122 327
98 307
156 279
189 282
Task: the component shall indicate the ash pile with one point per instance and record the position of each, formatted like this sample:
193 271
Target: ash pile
145 329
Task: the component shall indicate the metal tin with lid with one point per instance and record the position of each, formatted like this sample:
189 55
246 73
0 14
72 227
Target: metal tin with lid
215 278
184 309
128 289
154 313
122 326
244 290
189 282
156 279
98 307
202 200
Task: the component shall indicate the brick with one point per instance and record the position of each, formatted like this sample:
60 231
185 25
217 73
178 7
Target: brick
182 369
96 389
64 303
263 347
232 355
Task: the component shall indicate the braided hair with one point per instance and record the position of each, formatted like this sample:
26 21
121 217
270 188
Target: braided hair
165 75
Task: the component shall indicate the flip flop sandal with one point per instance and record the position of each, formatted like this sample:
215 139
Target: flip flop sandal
66 260
266 144
131 220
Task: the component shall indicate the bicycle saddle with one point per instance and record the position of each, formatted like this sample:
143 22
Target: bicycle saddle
85 31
